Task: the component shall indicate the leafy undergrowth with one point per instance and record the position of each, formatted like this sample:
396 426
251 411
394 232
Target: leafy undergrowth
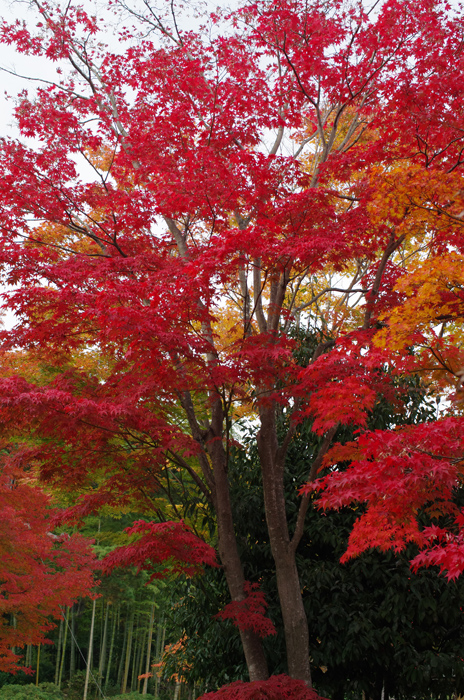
49 691
44 691
275 688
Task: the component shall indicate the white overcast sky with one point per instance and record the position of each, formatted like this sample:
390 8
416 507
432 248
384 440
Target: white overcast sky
41 68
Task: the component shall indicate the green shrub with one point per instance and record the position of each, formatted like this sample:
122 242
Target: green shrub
133 696
44 691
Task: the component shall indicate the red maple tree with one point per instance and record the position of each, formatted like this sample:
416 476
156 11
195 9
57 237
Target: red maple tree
40 572
246 182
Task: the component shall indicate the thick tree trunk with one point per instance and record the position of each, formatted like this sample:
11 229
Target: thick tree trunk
228 552
227 544
288 583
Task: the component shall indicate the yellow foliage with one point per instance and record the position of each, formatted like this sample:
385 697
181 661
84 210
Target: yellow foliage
430 317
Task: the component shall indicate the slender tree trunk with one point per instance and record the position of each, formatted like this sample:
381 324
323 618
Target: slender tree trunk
130 633
14 624
288 582
141 655
123 653
150 638
160 636
72 653
135 653
63 653
101 665
110 655
58 652
37 667
89 654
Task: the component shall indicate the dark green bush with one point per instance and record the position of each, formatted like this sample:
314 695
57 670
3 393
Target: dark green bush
44 691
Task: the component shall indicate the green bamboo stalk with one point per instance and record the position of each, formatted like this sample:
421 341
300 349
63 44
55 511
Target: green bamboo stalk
140 656
114 616
101 665
150 639
14 625
38 667
130 633
89 654
122 657
135 653
63 653
160 637
58 652
72 658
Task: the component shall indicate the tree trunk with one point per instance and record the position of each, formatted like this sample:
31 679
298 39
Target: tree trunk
14 624
160 636
37 667
130 632
140 657
123 651
135 653
150 638
101 665
110 655
227 543
63 652
89 653
288 583
58 652
72 659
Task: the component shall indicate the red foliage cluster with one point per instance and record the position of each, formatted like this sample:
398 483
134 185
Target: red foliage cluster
275 688
401 476
40 572
162 543
249 614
